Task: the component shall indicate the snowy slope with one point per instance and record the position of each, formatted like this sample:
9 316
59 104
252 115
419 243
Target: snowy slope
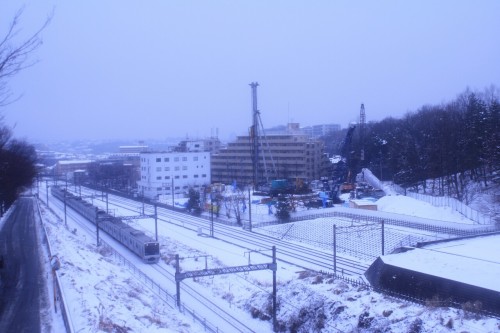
104 297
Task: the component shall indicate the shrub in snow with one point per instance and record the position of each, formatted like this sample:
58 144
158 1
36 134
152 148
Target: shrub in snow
472 309
283 208
387 313
449 323
416 326
364 320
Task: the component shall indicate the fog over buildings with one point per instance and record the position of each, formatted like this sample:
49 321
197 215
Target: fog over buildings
161 69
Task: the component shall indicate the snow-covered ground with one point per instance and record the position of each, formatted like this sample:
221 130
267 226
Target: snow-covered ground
103 296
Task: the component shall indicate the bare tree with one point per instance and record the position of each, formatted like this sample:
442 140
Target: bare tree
17 158
14 57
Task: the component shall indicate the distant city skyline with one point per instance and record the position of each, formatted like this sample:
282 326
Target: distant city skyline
168 69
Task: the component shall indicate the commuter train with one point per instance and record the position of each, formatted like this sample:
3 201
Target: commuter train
144 246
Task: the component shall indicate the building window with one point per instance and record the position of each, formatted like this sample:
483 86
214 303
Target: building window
195 158
184 167
184 176
177 168
158 178
184 158
166 159
176 177
203 175
167 177
167 168
195 176
158 159
158 169
158 188
176 159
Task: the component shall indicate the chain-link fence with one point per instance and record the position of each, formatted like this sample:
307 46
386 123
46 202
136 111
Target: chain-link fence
363 236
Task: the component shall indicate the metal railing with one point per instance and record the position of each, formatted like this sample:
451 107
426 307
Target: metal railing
68 322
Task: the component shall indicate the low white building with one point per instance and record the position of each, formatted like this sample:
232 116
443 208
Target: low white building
170 173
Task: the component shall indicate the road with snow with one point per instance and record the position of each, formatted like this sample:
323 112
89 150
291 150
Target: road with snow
21 283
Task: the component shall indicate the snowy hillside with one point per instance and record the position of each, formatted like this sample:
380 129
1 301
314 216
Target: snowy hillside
104 297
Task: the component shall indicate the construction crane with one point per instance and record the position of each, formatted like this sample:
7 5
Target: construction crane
258 151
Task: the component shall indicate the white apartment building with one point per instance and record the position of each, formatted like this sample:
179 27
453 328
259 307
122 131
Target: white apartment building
162 173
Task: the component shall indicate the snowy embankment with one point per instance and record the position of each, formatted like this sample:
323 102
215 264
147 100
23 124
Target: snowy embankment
107 298
102 295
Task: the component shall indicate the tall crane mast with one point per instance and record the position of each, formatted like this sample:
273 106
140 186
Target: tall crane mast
254 134
257 146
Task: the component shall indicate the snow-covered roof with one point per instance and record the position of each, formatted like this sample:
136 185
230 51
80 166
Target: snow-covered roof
474 261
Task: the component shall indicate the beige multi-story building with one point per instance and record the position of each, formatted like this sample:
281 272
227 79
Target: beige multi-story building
281 156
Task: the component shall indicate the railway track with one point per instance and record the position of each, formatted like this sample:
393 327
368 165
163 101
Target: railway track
303 256
221 320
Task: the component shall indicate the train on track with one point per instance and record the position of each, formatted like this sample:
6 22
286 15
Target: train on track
144 246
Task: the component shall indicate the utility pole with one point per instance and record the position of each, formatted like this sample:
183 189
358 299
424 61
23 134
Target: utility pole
156 222
143 201
97 227
249 211
211 215
65 215
47 190
172 191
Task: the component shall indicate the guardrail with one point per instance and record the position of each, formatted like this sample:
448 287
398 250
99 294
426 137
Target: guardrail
68 323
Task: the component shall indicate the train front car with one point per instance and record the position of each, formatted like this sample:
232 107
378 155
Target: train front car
144 246
151 252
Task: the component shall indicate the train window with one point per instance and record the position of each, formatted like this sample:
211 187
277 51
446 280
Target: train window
151 249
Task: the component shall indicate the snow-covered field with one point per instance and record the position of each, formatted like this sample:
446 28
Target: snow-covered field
105 297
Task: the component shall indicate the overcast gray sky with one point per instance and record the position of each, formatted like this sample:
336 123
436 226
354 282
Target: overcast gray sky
158 69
